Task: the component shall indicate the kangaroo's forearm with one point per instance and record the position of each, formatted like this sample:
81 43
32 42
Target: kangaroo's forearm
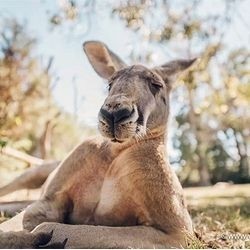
86 236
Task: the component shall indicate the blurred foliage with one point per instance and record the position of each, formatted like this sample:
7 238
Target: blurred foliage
30 120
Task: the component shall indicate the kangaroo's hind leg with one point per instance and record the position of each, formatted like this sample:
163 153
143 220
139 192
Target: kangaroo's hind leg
30 179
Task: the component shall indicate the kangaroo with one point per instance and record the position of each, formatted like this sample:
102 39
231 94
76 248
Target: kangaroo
116 190
31 179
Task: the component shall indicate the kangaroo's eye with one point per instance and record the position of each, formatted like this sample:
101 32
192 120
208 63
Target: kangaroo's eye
109 86
155 86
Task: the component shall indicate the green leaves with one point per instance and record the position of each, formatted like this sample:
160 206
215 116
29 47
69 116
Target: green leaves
3 143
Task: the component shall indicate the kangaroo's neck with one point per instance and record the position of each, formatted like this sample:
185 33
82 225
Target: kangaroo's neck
157 135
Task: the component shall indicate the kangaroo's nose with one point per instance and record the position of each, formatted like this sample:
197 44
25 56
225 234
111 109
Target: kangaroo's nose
106 115
122 114
116 116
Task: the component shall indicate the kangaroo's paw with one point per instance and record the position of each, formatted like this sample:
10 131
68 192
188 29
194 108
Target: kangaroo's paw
25 239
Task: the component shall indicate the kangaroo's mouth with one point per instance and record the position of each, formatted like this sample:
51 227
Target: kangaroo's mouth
116 140
122 132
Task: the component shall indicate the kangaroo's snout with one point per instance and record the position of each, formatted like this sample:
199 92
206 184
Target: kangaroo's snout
116 109
117 116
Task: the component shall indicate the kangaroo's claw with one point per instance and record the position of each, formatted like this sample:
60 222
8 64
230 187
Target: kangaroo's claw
56 245
43 239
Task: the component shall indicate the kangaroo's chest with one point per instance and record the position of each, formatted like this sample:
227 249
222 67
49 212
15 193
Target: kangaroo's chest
111 200
116 206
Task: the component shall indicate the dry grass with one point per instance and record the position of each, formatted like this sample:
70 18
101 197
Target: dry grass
216 211
220 211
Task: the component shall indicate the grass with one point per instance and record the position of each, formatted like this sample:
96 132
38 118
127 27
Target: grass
217 211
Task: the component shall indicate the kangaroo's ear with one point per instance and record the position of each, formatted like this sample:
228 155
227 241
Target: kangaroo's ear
104 61
171 70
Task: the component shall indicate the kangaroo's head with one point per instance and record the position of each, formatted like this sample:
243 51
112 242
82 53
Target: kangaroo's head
138 98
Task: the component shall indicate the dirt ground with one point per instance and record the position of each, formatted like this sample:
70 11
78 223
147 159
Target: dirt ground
221 214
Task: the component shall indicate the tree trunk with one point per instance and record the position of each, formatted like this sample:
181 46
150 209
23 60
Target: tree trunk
203 172
45 141
21 156
202 166
242 151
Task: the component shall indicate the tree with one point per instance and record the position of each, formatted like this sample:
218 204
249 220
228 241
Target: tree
30 120
25 87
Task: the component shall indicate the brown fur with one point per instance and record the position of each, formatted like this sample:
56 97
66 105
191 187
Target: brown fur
122 179
31 179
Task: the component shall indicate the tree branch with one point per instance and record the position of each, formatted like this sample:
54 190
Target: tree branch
21 156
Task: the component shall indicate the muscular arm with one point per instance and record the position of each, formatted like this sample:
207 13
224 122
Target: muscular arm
86 236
